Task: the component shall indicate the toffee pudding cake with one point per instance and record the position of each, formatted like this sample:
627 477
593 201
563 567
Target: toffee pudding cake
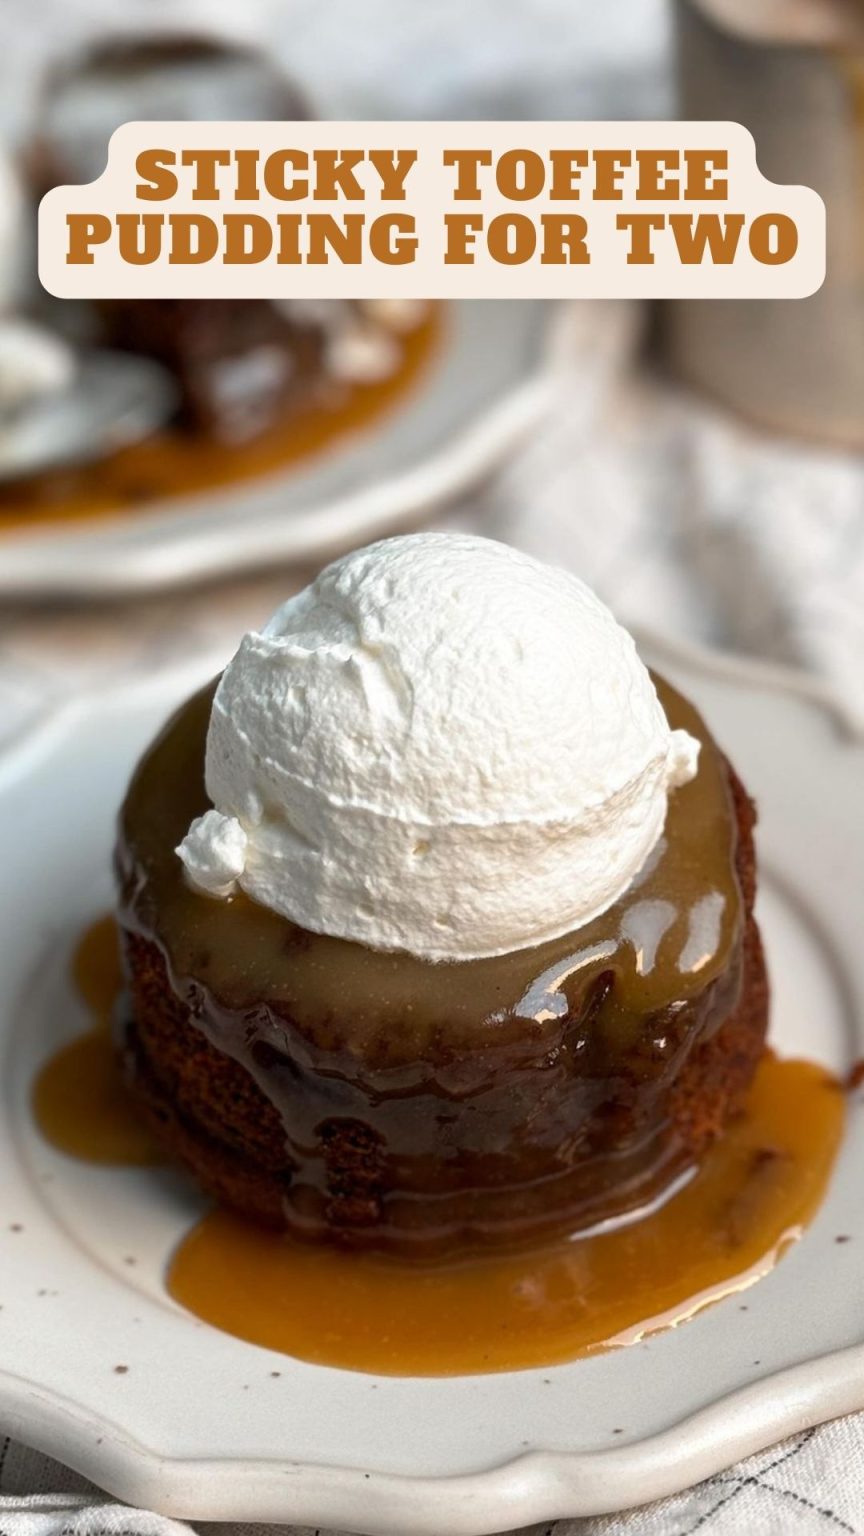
437 917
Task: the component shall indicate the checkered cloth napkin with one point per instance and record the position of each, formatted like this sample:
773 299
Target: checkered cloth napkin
811 1485
667 508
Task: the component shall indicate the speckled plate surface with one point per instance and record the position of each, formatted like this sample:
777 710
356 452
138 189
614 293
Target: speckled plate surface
197 1426
485 387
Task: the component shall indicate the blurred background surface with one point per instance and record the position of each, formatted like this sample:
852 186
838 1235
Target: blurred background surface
525 58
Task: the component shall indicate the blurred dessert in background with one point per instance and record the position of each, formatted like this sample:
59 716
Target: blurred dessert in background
237 362
148 77
244 386
61 403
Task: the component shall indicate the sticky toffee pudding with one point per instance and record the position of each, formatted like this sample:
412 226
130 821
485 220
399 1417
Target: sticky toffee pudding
377 1100
442 976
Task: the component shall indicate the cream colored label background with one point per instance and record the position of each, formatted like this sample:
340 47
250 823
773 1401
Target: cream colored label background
429 197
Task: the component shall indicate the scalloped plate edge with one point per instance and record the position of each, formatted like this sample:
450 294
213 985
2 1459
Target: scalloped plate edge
539 1485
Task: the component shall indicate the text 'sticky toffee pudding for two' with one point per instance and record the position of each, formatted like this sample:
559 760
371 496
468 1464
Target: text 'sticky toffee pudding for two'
437 913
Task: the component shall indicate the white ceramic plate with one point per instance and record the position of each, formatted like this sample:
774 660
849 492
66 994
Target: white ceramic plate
480 394
197 1426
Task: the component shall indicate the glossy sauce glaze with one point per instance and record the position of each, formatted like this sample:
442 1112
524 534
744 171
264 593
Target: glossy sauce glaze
489 1100
173 464
753 1195
674 929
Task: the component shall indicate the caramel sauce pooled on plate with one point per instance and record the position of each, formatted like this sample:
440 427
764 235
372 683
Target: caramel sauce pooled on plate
173 464
79 1099
752 1196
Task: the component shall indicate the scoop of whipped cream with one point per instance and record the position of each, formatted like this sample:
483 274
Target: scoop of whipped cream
441 746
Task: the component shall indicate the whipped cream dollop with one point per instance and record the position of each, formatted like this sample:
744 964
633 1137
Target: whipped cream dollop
441 746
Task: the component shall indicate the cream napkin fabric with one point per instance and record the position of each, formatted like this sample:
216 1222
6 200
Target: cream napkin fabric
685 519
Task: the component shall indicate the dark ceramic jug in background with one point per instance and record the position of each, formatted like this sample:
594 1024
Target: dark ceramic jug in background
793 73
